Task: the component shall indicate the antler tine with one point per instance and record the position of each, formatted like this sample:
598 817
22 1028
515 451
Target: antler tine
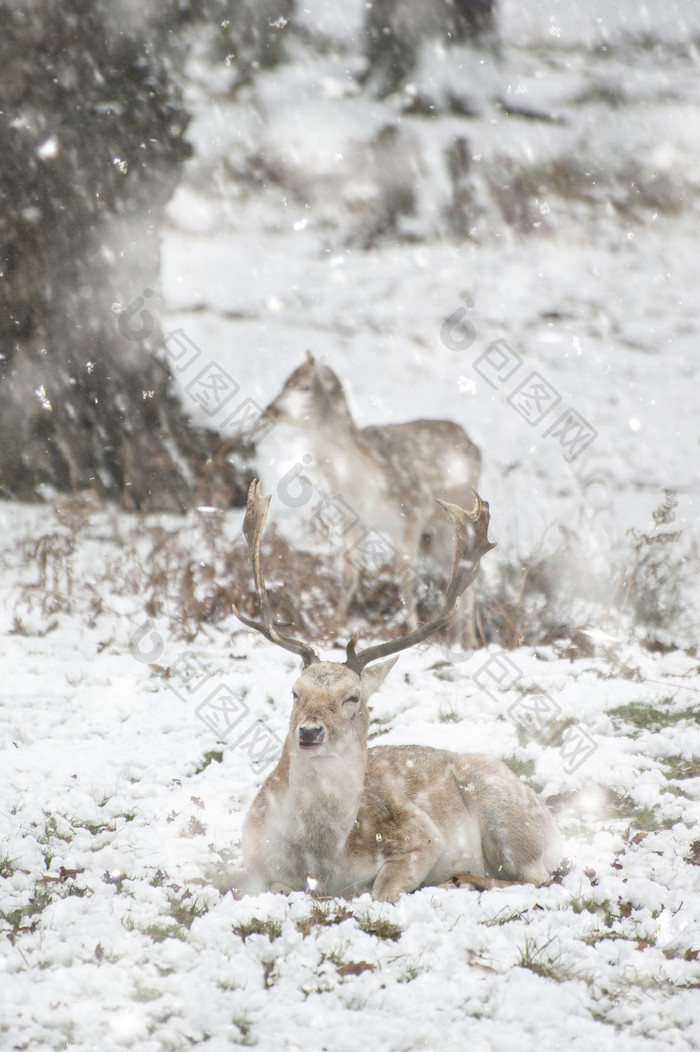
468 555
465 568
253 525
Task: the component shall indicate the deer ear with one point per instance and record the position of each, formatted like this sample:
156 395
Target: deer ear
373 676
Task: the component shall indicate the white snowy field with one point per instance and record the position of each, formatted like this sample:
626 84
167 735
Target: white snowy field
121 817
120 804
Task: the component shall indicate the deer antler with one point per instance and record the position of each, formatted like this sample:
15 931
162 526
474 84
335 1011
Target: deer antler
253 524
465 568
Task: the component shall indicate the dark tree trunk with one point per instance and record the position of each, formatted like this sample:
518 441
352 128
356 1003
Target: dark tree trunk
395 30
92 142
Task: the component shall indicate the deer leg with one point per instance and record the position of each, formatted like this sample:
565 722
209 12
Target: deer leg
460 634
401 875
469 607
407 592
408 576
404 872
349 581
462 631
519 837
521 846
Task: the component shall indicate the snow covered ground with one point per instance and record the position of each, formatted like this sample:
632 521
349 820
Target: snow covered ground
121 804
121 817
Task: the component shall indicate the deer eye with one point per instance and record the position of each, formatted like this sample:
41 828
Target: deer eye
295 696
354 698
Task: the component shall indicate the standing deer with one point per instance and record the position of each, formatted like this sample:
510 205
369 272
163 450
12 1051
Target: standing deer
389 475
335 815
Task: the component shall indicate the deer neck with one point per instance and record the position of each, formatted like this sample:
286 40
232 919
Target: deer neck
333 429
324 796
345 457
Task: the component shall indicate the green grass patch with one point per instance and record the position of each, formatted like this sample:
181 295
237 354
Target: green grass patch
159 931
259 926
47 889
523 768
505 916
620 805
7 866
647 716
184 910
680 769
379 927
213 756
585 904
536 959
323 915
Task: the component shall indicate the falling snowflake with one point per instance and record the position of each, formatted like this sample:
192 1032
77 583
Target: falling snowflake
42 396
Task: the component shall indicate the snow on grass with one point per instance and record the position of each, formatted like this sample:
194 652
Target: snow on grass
119 854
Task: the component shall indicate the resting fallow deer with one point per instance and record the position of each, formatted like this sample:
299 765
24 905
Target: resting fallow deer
335 816
390 476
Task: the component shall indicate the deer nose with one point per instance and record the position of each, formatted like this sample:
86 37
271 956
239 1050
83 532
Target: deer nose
311 735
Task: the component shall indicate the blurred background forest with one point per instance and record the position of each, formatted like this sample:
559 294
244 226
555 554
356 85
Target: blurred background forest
264 178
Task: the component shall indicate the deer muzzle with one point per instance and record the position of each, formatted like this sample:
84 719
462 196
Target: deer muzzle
311 736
